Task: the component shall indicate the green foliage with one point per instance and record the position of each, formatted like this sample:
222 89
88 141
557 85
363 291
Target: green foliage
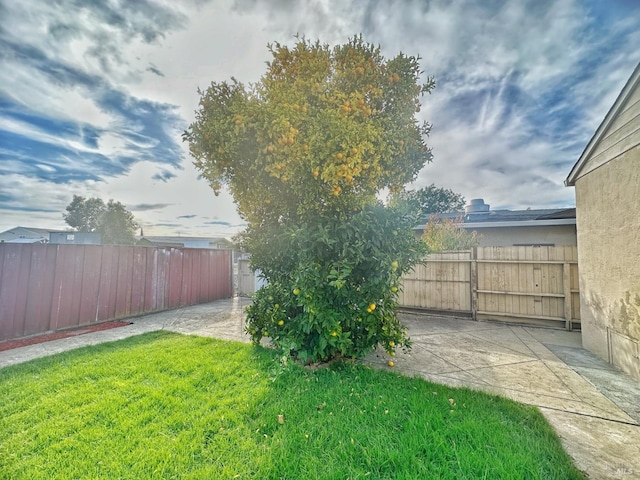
333 286
320 134
113 221
117 224
434 199
447 234
305 152
84 214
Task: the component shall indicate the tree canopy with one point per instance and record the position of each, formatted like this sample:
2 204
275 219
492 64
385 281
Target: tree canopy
434 199
305 152
321 133
84 214
112 220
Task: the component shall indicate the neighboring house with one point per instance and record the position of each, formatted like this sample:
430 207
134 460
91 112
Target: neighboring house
75 238
27 235
506 228
185 242
607 182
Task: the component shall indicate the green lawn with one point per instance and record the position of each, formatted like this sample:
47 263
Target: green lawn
163 405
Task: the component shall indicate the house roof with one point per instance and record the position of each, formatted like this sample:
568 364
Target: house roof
627 91
37 231
178 242
178 239
566 213
512 218
26 240
22 234
155 243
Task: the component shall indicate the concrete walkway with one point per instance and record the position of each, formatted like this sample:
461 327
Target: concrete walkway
594 408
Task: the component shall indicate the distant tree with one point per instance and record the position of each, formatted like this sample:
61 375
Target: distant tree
113 221
434 199
442 234
84 214
117 224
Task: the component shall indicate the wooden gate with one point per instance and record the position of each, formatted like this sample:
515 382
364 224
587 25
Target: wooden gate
531 285
246 279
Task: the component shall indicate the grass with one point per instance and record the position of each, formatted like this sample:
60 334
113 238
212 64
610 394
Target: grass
164 405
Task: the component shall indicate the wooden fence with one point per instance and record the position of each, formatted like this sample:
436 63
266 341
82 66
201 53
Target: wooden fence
532 285
52 287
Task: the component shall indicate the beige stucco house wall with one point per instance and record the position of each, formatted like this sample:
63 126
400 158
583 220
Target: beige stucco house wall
559 234
507 228
607 185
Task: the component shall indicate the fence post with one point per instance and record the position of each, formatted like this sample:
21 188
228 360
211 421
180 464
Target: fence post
566 282
473 277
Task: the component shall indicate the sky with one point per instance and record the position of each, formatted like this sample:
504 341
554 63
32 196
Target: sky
95 95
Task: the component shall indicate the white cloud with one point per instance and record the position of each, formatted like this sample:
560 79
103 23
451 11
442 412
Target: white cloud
181 195
29 87
508 74
29 130
184 195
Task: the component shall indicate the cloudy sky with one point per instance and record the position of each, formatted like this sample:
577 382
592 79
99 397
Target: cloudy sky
94 95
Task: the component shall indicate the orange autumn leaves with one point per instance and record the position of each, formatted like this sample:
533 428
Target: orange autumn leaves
323 131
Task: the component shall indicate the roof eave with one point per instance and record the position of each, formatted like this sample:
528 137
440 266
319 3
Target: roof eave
570 181
518 223
521 223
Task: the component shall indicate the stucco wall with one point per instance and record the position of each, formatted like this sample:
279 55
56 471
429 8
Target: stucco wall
608 218
557 235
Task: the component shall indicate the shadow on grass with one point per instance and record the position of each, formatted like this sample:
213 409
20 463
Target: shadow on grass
163 405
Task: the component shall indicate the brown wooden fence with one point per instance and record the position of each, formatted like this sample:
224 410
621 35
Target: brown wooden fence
532 285
52 287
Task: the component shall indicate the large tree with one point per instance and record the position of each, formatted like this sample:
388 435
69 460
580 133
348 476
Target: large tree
434 199
112 220
304 152
84 214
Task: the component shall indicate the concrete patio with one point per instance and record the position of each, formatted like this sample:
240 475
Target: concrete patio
594 408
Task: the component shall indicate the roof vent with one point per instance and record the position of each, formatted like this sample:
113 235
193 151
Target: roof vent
476 205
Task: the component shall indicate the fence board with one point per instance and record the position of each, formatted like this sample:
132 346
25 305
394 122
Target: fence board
212 285
162 271
67 286
90 287
52 287
175 278
204 275
112 280
123 285
151 280
22 291
215 286
138 281
536 285
195 278
10 259
39 291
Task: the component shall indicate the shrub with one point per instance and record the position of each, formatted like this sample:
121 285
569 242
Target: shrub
333 286
446 234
